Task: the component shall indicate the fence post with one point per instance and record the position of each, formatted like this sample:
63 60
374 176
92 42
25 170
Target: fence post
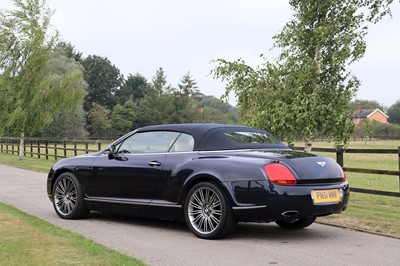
399 167
98 145
55 150
339 157
38 148
75 151
31 148
47 149
65 149
86 147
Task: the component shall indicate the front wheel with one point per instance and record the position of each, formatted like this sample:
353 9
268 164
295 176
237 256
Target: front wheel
68 197
208 212
297 223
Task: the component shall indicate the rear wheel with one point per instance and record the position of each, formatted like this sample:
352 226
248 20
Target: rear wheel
208 212
68 197
296 223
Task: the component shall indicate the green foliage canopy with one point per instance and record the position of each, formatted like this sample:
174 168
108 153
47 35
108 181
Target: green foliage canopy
134 88
365 104
104 80
122 117
99 121
394 113
307 91
35 84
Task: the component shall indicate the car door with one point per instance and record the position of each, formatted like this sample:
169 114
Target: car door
135 172
176 168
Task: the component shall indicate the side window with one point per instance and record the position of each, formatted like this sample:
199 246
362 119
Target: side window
148 142
185 142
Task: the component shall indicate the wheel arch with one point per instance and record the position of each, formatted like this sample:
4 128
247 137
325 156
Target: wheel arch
204 177
56 174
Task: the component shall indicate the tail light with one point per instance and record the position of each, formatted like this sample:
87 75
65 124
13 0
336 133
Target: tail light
343 174
279 174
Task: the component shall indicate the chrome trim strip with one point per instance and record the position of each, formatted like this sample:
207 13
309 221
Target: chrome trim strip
249 207
155 153
165 205
117 201
197 152
244 150
134 203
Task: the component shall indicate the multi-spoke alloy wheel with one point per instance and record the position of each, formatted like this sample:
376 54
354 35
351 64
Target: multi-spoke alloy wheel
65 196
208 212
68 197
205 210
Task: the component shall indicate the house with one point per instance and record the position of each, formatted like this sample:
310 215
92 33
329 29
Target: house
370 114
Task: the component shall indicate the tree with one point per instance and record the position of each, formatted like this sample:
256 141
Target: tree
182 108
122 117
159 82
69 51
308 90
99 124
214 110
133 88
153 110
188 86
69 124
394 113
365 104
32 91
104 80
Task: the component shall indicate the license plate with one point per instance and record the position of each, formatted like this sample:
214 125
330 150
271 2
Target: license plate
325 196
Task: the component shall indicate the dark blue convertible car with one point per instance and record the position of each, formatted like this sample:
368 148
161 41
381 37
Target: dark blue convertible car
210 175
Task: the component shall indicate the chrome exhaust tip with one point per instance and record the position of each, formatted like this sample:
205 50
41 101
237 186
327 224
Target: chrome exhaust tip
289 214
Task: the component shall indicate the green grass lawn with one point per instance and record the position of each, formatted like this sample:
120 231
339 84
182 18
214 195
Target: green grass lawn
27 240
35 164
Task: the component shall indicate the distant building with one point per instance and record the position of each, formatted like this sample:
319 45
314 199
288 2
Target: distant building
369 114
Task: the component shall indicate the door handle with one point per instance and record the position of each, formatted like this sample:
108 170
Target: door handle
154 163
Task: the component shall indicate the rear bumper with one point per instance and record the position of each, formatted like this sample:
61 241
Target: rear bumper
261 201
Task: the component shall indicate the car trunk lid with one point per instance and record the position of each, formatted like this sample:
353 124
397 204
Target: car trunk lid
307 167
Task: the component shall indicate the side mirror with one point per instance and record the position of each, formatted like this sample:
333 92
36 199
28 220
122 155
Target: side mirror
112 152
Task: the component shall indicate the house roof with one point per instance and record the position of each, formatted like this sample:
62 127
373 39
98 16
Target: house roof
367 113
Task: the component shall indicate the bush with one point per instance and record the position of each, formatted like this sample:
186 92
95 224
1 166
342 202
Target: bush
374 129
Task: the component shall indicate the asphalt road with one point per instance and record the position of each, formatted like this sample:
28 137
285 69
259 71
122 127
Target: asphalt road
170 243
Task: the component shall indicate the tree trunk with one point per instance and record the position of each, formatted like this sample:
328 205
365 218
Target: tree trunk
317 61
21 146
307 145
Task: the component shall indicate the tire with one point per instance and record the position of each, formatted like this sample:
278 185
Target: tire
297 223
68 197
208 212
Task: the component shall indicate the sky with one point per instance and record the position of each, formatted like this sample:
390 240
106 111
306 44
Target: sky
139 36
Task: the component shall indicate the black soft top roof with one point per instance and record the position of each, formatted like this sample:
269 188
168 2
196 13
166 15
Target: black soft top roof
212 136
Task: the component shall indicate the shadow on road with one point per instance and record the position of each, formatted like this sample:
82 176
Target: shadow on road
272 232
254 231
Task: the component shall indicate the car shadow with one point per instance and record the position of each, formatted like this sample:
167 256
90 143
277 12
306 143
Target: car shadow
139 221
271 232
251 231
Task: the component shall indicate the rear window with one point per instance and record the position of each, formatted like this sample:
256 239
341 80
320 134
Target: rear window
251 137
